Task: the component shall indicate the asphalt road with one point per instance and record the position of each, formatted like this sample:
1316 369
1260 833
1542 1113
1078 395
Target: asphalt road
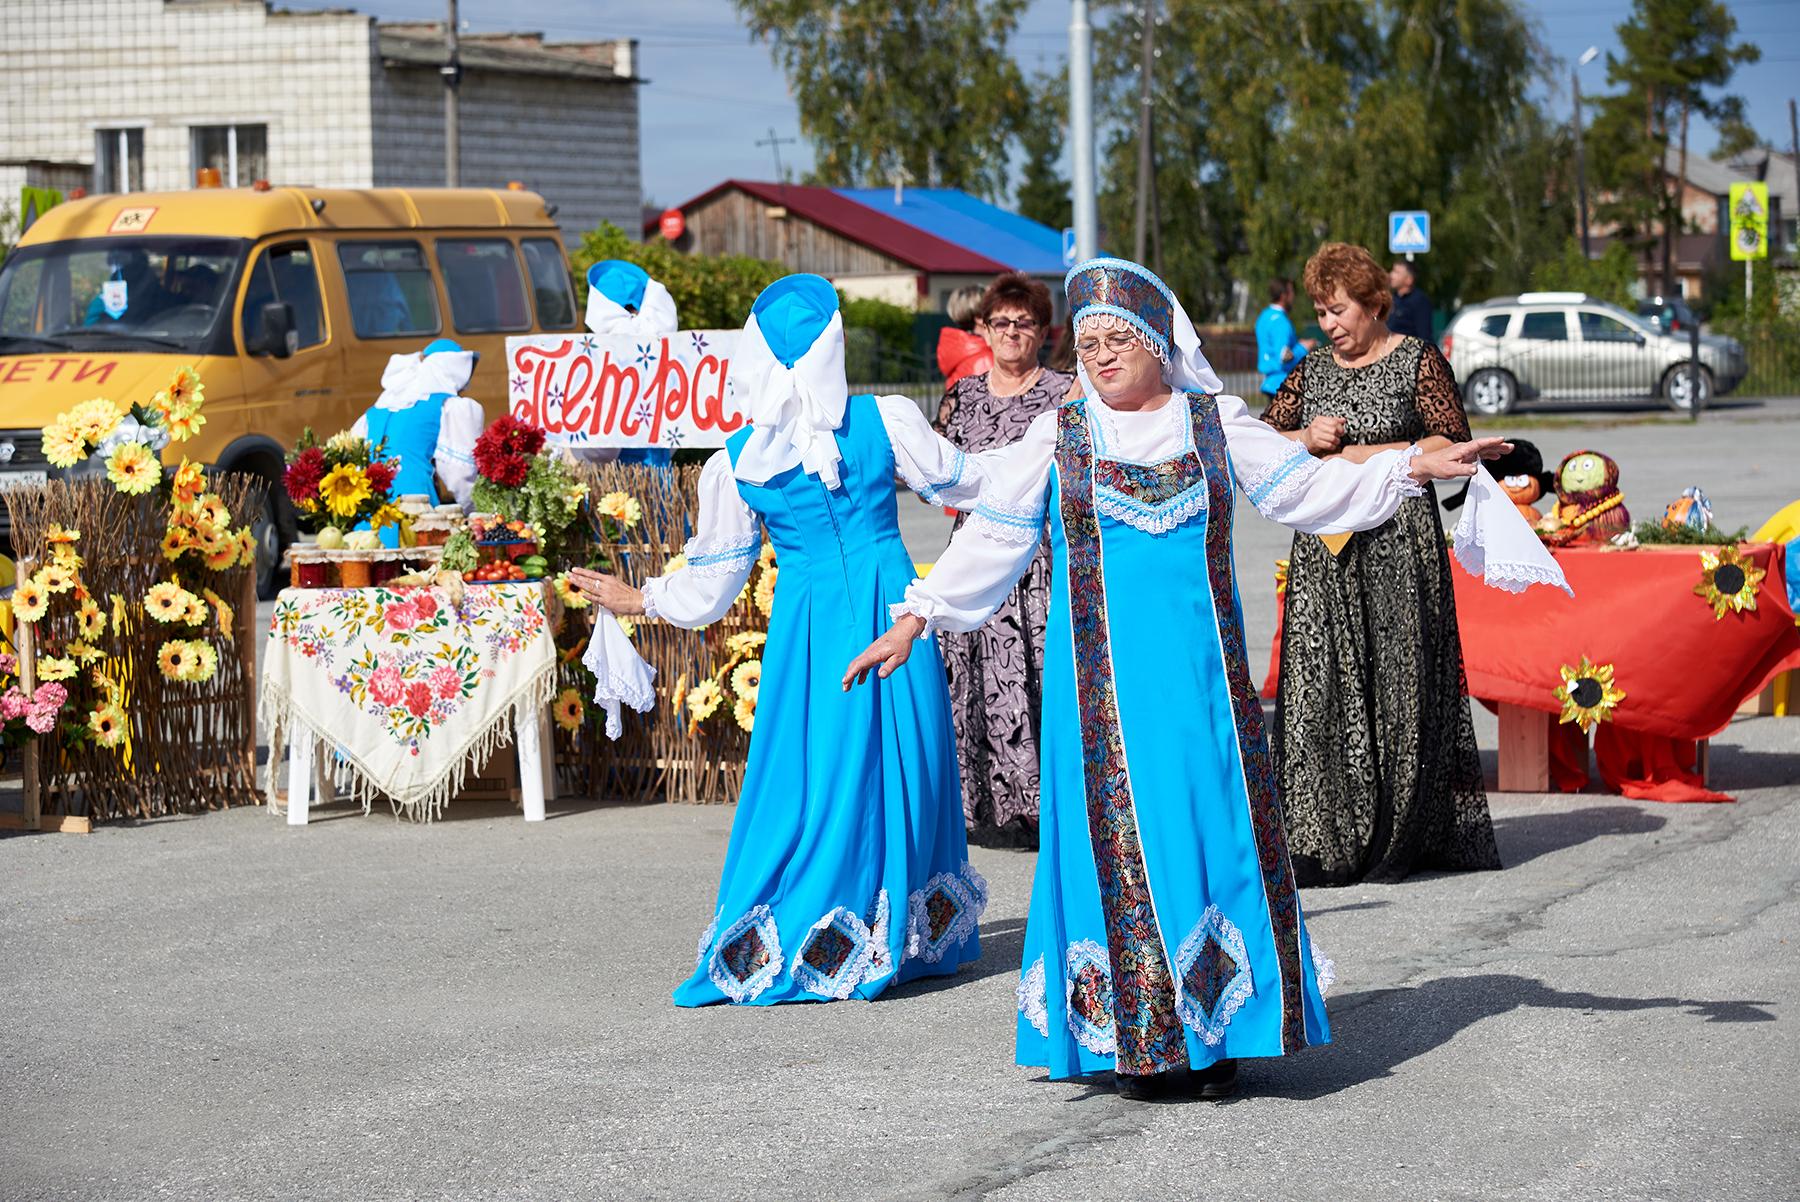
223 1007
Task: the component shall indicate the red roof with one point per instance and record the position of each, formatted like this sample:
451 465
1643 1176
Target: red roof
861 224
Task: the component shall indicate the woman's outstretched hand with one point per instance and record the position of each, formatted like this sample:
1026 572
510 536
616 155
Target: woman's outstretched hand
608 592
889 651
1456 460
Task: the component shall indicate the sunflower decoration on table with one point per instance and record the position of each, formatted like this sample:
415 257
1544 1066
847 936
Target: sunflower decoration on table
1729 579
568 710
1588 694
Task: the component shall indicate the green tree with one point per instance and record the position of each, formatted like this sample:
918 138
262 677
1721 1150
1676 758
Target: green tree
710 292
1608 277
1043 192
920 89
1677 55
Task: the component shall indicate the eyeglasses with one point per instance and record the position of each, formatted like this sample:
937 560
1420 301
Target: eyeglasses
1002 325
1118 343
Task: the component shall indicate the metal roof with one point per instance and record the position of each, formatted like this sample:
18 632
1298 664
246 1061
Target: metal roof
964 220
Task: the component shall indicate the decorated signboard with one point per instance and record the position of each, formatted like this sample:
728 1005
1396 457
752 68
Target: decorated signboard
587 390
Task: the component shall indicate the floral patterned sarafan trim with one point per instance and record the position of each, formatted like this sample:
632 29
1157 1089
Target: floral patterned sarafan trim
943 914
1088 993
1141 989
1212 974
1152 497
841 952
1262 796
1034 1002
747 959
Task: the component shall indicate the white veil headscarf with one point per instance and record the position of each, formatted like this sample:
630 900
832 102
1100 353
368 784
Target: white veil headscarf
443 367
788 374
1115 294
624 299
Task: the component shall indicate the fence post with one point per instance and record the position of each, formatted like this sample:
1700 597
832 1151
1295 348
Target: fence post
1694 371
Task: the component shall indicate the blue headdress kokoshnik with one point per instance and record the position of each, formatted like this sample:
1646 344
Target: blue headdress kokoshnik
1123 294
788 373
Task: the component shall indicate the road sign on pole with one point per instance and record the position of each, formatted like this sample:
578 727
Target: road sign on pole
1409 232
1749 221
1070 247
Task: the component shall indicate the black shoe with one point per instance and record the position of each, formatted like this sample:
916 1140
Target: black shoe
1150 1087
1217 1080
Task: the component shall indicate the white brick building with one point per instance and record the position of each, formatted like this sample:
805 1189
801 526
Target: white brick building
127 95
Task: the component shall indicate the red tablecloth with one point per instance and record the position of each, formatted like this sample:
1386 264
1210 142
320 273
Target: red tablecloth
1684 671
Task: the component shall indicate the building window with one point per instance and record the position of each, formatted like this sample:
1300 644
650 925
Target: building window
487 293
550 283
119 160
285 274
391 294
239 153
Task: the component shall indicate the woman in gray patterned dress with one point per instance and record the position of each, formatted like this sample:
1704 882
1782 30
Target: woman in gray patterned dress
995 671
1373 739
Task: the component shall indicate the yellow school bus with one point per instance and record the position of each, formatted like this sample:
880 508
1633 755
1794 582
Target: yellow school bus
288 301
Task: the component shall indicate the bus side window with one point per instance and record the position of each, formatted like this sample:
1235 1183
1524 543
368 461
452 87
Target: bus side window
390 288
285 273
550 283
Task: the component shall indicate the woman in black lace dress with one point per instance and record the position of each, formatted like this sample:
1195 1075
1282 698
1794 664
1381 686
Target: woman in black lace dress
1373 739
995 672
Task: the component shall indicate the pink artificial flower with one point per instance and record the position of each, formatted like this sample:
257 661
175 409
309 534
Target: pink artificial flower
9 664
51 694
418 698
386 686
41 718
446 682
401 616
13 704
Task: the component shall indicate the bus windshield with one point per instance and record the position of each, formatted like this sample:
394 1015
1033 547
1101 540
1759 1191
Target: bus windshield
136 293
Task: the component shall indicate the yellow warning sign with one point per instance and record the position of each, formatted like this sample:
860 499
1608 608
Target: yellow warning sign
1749 221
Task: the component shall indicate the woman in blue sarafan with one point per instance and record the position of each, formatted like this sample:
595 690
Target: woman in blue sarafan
1165 932
427 424
847 869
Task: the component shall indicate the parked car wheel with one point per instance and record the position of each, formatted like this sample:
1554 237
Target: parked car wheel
1491 393
1678 388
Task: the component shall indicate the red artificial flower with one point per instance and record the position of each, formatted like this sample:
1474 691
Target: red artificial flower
303 475
381 476
503 452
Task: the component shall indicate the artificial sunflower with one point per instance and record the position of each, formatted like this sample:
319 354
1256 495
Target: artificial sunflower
344 489
226 615
94 420
66 556
115 692
56 667
29 601
176 541
703 700
746 679
185 390
676 562
55 578
745 713
107 722
206 661
133 470
628 626
621 507
168 602
175 659
91 618
82 651
246 548
63 445
190 478
212 511
1729 579
679 693
118 613
222 554
766 556
745 642
1587 694
568 594
568 710
196 612
765 591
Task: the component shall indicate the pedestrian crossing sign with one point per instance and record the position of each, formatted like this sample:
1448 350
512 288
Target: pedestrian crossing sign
1409 232
1749 221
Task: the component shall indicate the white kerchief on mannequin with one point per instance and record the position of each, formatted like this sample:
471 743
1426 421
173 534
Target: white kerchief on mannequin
409 379
655 317
794 411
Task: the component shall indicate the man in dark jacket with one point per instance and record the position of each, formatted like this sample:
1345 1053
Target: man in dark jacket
1412 308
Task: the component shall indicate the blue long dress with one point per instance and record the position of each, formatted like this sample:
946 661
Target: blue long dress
1165 930
847 869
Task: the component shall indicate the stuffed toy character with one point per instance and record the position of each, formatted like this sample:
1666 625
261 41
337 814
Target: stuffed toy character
1589 506
1690 509
1521 475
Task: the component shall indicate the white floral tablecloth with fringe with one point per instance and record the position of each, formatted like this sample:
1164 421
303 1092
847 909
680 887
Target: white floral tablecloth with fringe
407 690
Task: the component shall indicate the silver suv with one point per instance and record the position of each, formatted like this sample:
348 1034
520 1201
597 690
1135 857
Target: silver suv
1566 346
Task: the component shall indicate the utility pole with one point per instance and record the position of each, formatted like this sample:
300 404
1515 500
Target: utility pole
452 73
1587 57
1081 131
774 143
1794 149
1146 167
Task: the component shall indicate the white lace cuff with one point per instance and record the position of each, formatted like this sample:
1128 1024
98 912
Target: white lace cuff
649 590
919 607
1274 488
931 490
1402 470
722 557
1010 526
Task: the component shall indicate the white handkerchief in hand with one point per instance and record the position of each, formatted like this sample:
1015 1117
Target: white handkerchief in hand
621 676
1495 542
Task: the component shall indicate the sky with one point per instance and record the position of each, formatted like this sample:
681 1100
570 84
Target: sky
713 93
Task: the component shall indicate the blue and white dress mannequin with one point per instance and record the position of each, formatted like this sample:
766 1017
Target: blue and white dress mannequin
428 425
848 868
623 300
